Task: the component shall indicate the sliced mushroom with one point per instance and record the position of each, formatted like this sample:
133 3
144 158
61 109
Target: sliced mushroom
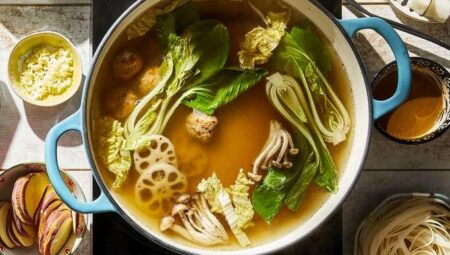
195 230
184 198
275 152
167 222
200 224
207 218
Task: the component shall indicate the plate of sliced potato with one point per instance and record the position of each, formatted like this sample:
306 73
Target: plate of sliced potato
33 219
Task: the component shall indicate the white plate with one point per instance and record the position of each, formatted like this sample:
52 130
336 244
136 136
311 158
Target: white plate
405 10
7 180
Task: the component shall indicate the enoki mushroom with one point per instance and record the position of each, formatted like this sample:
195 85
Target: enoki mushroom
275 152
410 226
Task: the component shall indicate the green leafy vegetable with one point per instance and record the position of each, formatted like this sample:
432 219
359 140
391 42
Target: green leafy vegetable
287 97
302 55
191 73
268 197
112 155
260 42
281 186
176 21
192 57
224 88
313 46
149 18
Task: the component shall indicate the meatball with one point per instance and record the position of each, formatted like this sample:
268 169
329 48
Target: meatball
200 125
120 102
127 64
148 80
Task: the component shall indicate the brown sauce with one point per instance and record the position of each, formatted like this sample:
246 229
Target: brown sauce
241 133
419 114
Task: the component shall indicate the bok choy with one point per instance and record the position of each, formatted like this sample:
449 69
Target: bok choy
302 55
192 57
192 73
287 97
313 163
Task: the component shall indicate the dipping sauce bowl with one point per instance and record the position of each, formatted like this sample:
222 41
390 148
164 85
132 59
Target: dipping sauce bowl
426 113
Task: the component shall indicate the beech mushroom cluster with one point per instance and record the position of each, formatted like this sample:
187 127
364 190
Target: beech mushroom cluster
199 224
275 152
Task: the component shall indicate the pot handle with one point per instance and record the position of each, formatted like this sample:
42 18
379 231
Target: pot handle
102 203
380 108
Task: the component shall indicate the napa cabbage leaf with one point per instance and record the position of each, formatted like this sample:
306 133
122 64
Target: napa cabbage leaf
111 150
240 193
232 203
210 188
260 42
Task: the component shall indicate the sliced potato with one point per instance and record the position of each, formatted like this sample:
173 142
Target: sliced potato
45 214
45 225
18 197
27 194
33 193
4 237
48 198
24 230
47 190
58 228
10 232
79 223
24 240
61 237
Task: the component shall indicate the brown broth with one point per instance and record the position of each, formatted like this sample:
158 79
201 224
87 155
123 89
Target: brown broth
419 114
241 133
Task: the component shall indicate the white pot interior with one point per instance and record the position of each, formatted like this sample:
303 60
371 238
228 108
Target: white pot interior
357 152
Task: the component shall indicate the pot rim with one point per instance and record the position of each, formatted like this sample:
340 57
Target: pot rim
148 235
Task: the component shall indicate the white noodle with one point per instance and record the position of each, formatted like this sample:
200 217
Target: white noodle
406 226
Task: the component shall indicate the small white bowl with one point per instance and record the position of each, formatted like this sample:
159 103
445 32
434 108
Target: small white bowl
7 181
30 42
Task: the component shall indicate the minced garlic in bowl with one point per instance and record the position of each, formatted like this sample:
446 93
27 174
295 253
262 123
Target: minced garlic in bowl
44 69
